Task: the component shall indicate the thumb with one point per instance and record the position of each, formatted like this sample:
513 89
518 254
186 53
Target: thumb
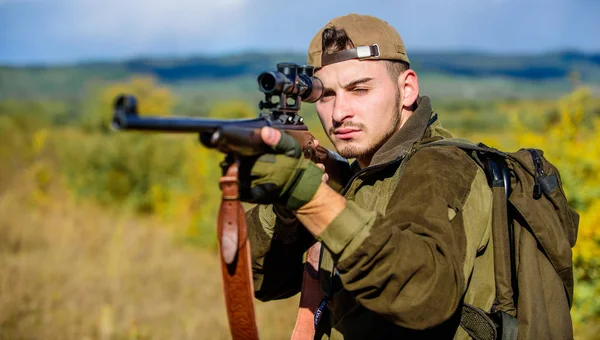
270 135
280 142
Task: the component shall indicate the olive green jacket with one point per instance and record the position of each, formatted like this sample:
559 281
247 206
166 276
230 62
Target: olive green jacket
412 244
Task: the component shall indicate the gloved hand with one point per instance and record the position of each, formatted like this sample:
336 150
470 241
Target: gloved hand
284 176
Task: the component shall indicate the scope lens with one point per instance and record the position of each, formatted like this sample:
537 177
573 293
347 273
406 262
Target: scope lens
267 82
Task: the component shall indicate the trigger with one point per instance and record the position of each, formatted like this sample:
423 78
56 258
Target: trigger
309 151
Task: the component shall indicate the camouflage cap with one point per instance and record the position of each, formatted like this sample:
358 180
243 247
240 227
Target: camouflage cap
373 38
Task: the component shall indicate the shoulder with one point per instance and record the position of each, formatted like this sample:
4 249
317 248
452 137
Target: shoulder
442 161
446 172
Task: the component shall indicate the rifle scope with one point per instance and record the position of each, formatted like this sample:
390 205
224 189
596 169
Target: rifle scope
292 80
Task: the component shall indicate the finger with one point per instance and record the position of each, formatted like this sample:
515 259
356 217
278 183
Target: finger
321 166
285 144
270 135
316 143
325 178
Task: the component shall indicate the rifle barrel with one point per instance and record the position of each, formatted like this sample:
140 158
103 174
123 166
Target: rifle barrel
123 121
126 118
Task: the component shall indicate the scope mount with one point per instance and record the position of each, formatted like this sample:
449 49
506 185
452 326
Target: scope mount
284 110
284 90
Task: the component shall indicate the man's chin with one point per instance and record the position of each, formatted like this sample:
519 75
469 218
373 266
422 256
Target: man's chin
350 150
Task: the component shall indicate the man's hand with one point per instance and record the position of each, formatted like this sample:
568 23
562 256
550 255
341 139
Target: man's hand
283 176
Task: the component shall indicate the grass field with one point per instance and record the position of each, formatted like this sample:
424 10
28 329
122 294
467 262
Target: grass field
71 270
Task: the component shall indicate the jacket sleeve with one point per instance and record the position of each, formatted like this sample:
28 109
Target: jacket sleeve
277 246
407 264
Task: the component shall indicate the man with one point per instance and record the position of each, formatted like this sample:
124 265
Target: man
406 243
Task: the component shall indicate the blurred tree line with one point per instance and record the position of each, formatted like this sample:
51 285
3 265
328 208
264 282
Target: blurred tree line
167 176
171 177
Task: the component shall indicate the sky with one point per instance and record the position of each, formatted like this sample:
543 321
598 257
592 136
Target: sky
66 31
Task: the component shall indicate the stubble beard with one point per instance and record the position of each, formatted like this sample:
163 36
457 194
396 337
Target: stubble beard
354 151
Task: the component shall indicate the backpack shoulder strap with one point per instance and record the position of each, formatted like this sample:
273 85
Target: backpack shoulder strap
494 165
462 143
493 162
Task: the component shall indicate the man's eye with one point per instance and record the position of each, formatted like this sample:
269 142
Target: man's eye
360 90
327 95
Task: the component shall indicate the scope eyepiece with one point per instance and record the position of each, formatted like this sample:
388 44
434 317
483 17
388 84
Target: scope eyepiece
314 89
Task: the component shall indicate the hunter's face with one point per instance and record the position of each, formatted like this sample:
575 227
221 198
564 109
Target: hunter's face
360 108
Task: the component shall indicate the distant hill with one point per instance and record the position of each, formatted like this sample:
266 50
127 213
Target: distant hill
529 67
550 70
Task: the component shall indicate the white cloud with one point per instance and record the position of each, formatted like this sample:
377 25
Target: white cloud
142 16
140 25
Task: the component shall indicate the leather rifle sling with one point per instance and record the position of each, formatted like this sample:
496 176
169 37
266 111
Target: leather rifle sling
310 296
235 259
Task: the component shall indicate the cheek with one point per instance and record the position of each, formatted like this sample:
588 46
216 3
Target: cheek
324 112
382 107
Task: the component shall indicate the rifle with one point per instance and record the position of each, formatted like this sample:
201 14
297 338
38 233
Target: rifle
284 90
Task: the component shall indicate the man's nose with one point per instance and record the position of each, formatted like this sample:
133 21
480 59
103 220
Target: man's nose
342 109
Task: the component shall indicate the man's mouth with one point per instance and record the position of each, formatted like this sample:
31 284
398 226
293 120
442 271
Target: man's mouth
346 133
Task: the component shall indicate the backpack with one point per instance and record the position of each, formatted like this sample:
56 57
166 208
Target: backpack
533 231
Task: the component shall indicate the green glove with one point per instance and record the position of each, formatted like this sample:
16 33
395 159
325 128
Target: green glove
283 177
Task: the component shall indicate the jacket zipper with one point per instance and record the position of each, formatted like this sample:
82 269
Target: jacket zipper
321 309
329 295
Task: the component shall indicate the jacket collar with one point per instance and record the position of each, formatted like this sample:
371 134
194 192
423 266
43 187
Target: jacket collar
412 131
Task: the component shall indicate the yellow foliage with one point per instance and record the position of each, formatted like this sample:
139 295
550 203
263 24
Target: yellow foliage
41 174
160 200
40 171
152 98
588 242
232 109
39 140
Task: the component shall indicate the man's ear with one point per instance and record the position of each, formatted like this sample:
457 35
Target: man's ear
409 88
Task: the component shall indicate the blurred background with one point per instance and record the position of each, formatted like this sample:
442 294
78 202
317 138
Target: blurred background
112 236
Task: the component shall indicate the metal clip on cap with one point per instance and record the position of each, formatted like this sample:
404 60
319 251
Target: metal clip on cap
363 52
